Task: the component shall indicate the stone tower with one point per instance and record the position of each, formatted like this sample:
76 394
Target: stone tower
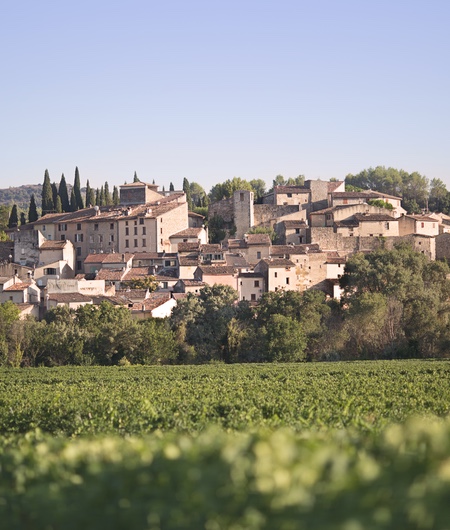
243 212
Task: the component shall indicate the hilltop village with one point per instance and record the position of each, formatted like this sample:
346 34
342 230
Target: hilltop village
150 250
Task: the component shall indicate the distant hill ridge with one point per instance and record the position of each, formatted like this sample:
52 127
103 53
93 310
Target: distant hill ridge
21 195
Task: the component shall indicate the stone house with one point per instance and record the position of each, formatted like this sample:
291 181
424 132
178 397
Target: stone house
250 286
188 235
418 224
217 274
278 273
20 292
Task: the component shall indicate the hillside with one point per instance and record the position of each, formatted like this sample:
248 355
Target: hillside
21 195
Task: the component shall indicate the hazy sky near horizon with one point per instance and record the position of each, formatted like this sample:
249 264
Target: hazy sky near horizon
210 90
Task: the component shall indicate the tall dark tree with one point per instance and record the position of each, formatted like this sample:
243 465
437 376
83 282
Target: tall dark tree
115 197
73 201
90 196
77 190
58 205
97 197
32 210
135 178
187 191
54 192
23 220
102 197
171 187
108 197
47 195
63 193
13 218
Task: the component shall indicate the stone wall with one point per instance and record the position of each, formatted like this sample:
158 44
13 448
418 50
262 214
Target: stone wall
443 246
270 214
223 208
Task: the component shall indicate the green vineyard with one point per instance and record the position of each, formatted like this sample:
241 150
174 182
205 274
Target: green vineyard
347 446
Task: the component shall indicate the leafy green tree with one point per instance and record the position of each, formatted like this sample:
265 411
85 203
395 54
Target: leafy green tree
204 321
226 189
77 190
156 343
63 194
149 282
198 195
13 221
32 211
286 341
259 189
47 195
380 204
438 195
216 230
264 230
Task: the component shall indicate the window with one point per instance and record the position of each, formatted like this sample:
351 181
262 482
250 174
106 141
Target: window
126 223
100 239
287 281
50 272
135 243
141 221
422 225
95 226
276 274
289 195
160 230
111 226
78 238
127 231
62 227
43 228
256 283
78 265
345 201
127 243
144 242
111 238
135 230
162 241
144 231
241 197
63 237
258 255
91 239
253 297
297 230
135 223
78 226
78 251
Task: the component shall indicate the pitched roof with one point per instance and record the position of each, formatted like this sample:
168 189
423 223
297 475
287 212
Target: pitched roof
54 245
304 248
291 189
217 270
110 275
65 298
419 217
189 246
211 249
361 217
20 286
333 185
152 302
278 262
111 257
188 262
137 273
188 232
294 224
257 239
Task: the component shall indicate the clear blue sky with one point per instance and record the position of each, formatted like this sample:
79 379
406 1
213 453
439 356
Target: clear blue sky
209 90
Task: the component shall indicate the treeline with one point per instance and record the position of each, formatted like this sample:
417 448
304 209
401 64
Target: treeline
417 191
395 305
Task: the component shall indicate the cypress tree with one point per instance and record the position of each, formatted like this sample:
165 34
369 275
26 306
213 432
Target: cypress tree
90 196
23 220
97 197
102 196
32 210
108 198
135 178
73 201
62 192
171 188
54 193
47 195
13 218
116 198
77 189
187 191
58 205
